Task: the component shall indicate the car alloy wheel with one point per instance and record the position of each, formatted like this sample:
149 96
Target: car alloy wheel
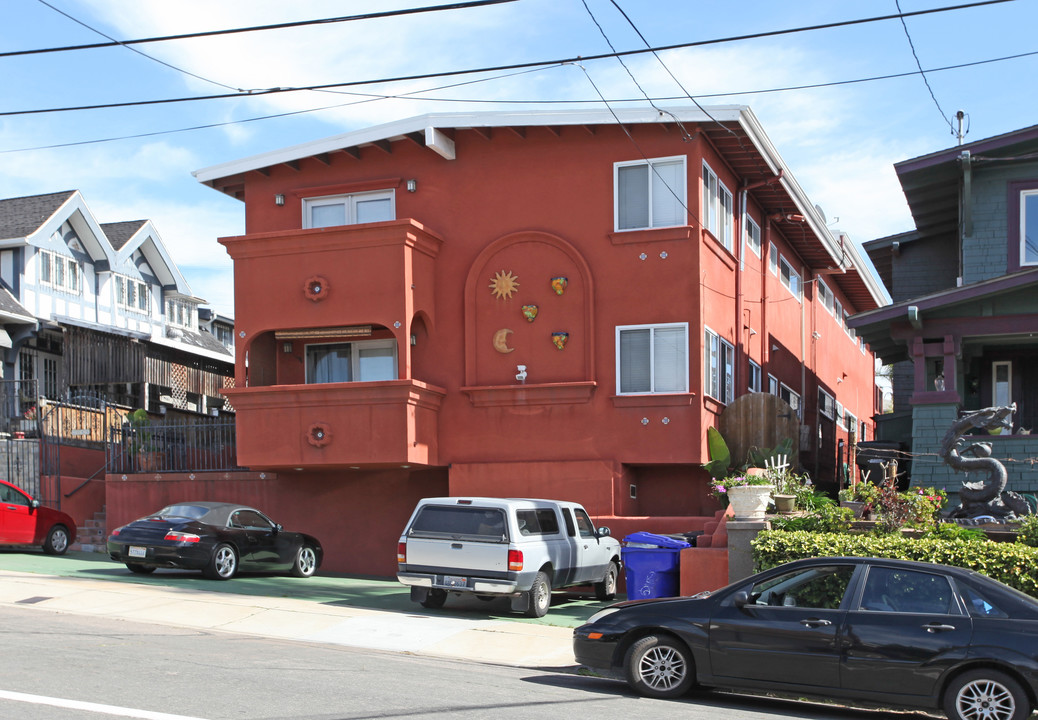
224 563
306 562
57 541
659 667
986 695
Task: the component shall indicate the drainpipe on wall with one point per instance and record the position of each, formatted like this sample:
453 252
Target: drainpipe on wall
965 160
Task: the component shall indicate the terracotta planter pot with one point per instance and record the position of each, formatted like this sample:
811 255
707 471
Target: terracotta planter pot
749 502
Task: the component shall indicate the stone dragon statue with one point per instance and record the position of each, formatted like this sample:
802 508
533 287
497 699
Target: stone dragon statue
987 497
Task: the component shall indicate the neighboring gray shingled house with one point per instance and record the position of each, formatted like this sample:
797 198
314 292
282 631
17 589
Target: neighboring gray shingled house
100 309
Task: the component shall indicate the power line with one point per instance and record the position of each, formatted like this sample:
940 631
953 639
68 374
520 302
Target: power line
944 115
371 97
255 28
135 50
501 68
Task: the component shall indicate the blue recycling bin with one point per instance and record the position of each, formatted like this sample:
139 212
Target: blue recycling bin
653 564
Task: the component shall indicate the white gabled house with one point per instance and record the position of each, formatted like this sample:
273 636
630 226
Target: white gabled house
100 310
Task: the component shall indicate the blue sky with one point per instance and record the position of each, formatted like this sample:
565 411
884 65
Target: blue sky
840 141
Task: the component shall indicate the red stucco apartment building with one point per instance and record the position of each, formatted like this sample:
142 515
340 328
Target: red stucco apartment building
529 304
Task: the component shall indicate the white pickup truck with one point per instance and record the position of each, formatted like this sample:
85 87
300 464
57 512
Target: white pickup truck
493 547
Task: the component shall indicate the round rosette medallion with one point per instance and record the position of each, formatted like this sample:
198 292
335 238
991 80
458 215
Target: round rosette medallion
316 288
319 435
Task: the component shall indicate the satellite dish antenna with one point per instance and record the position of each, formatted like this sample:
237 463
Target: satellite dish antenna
820 211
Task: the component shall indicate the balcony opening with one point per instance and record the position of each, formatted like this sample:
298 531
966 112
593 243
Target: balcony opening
358 361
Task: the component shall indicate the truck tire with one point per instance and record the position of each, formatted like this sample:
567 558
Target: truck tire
539 595
435 599
606 590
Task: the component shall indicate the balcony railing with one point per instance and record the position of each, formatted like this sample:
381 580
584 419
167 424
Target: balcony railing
157 448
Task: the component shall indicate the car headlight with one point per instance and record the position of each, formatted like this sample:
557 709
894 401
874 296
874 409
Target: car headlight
601 614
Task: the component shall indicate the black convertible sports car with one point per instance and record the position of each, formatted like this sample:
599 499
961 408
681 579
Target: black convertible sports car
217 538
894 632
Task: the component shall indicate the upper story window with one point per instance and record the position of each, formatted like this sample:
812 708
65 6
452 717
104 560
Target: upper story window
773 256
753 236
717 208
649 193
719 363
180 313
1029 227
789 277
825 296
755 375
365 361
224 334
652 359
350 209
131 294
791 397
58 271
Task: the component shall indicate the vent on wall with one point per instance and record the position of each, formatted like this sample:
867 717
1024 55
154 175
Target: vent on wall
634 491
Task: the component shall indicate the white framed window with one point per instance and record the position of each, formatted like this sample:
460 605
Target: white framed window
363 361
851 423
864 431
825 296
755 375
181 313
58 271
352 209
789 277
131 294
773 385
825 403
752 236
773 259
717 208
1028 227
850 331
841 419
652 359
719 364
1002 383
838 312
792 398
649 193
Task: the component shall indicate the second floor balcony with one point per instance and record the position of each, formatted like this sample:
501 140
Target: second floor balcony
338 425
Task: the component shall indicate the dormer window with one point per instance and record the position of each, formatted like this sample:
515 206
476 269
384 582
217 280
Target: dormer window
131 294
59 272
181 314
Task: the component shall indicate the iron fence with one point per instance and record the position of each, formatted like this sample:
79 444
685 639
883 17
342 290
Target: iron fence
154 448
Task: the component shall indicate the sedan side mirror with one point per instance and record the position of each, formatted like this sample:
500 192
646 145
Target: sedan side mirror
741 599
34 504
278 528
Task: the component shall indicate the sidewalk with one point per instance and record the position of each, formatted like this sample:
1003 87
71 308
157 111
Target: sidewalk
357 612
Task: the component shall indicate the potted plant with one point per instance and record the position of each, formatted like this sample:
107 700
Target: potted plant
747 494
861 498
141 443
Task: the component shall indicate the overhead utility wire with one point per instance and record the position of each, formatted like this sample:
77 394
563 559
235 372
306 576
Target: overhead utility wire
672 76
926 81
139 52
370 97
256 28
500 68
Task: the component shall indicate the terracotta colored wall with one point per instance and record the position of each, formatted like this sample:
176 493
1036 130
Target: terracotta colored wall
357 517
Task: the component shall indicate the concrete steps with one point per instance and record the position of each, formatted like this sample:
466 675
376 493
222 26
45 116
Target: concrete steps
92 536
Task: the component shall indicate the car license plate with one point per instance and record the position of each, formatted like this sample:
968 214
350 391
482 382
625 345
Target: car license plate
454 581
138 552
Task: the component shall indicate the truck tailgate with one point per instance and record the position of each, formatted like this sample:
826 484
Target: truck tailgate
469 555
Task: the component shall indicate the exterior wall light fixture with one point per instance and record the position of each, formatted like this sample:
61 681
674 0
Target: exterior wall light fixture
412 185
279 199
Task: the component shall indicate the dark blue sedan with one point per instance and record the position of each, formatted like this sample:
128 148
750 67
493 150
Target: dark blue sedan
899 633
217 538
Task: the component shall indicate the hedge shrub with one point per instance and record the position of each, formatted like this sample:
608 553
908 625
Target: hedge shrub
1015 564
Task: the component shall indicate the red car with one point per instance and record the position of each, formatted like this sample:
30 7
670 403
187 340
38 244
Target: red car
23 521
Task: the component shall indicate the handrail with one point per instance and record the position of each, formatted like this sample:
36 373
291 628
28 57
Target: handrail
87 481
